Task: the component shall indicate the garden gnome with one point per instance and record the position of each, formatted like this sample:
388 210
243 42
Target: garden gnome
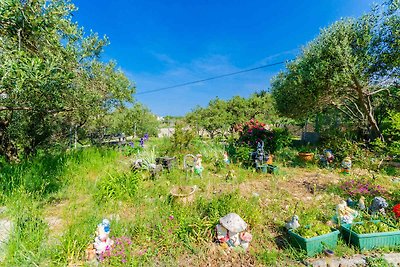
293 223
361 203
226 158
198 168
327 157
102 242
346 165
231 232
344 213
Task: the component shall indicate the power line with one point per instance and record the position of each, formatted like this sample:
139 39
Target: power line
212 78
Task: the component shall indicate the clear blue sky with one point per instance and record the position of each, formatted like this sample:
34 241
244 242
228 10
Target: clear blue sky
163 43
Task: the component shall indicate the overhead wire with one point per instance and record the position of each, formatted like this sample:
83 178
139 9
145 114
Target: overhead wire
212 78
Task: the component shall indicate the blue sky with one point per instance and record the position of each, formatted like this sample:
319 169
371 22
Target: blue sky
164 43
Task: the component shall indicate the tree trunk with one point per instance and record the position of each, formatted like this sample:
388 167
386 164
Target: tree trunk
366 107
7 148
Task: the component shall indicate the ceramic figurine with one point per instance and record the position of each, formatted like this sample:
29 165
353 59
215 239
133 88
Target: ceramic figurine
231 232
346 165
198 168
327 157
293 223
378 206
361 203
344 213
226 158
102 242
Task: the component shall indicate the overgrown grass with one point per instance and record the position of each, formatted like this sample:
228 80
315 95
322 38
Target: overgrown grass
79 188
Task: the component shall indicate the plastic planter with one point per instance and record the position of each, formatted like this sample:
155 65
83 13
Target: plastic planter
370 241
314 245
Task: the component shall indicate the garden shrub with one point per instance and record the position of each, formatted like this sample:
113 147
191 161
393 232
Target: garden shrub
253 131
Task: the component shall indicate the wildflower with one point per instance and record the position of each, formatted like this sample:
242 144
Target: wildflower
171 217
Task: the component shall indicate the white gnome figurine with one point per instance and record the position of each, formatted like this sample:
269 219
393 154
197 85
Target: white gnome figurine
102 242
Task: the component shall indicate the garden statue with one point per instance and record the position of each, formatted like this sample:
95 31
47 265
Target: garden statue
226 158
259 156
293 223
231 232
327 157
102 242
361 203
378 206
346 165
198 168
344 213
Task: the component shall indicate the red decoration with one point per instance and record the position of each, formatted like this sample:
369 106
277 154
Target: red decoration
396 210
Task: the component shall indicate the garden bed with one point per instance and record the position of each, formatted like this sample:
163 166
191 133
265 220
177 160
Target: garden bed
370 240
314 245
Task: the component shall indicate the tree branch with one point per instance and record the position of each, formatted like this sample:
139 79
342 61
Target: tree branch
377 91
7 108
358 109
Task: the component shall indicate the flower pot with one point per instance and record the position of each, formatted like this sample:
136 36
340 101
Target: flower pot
306 156
183 194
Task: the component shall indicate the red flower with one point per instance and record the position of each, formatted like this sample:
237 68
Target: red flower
396 210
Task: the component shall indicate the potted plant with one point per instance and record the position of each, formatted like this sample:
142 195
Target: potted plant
314 238
305 153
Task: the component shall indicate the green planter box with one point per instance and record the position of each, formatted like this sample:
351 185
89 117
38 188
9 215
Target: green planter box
370 241
314 245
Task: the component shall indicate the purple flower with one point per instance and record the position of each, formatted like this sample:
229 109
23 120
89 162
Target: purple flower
141 142
171 217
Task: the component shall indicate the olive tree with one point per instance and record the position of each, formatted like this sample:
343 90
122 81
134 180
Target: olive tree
350 66
51 77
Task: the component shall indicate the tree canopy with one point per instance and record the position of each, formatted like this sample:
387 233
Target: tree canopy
351 65
221 116
51 76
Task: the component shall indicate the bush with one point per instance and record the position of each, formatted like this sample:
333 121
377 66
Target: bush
239 153
254 131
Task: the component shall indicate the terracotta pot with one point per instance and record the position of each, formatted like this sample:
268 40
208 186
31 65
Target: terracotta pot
306 156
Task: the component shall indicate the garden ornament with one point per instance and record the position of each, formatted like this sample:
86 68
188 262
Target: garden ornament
344 213
346 165
396 210
102 242
293 223
378 206
226 158
233 223
327 157
350 203
198 168
361 203
259 156
231 232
